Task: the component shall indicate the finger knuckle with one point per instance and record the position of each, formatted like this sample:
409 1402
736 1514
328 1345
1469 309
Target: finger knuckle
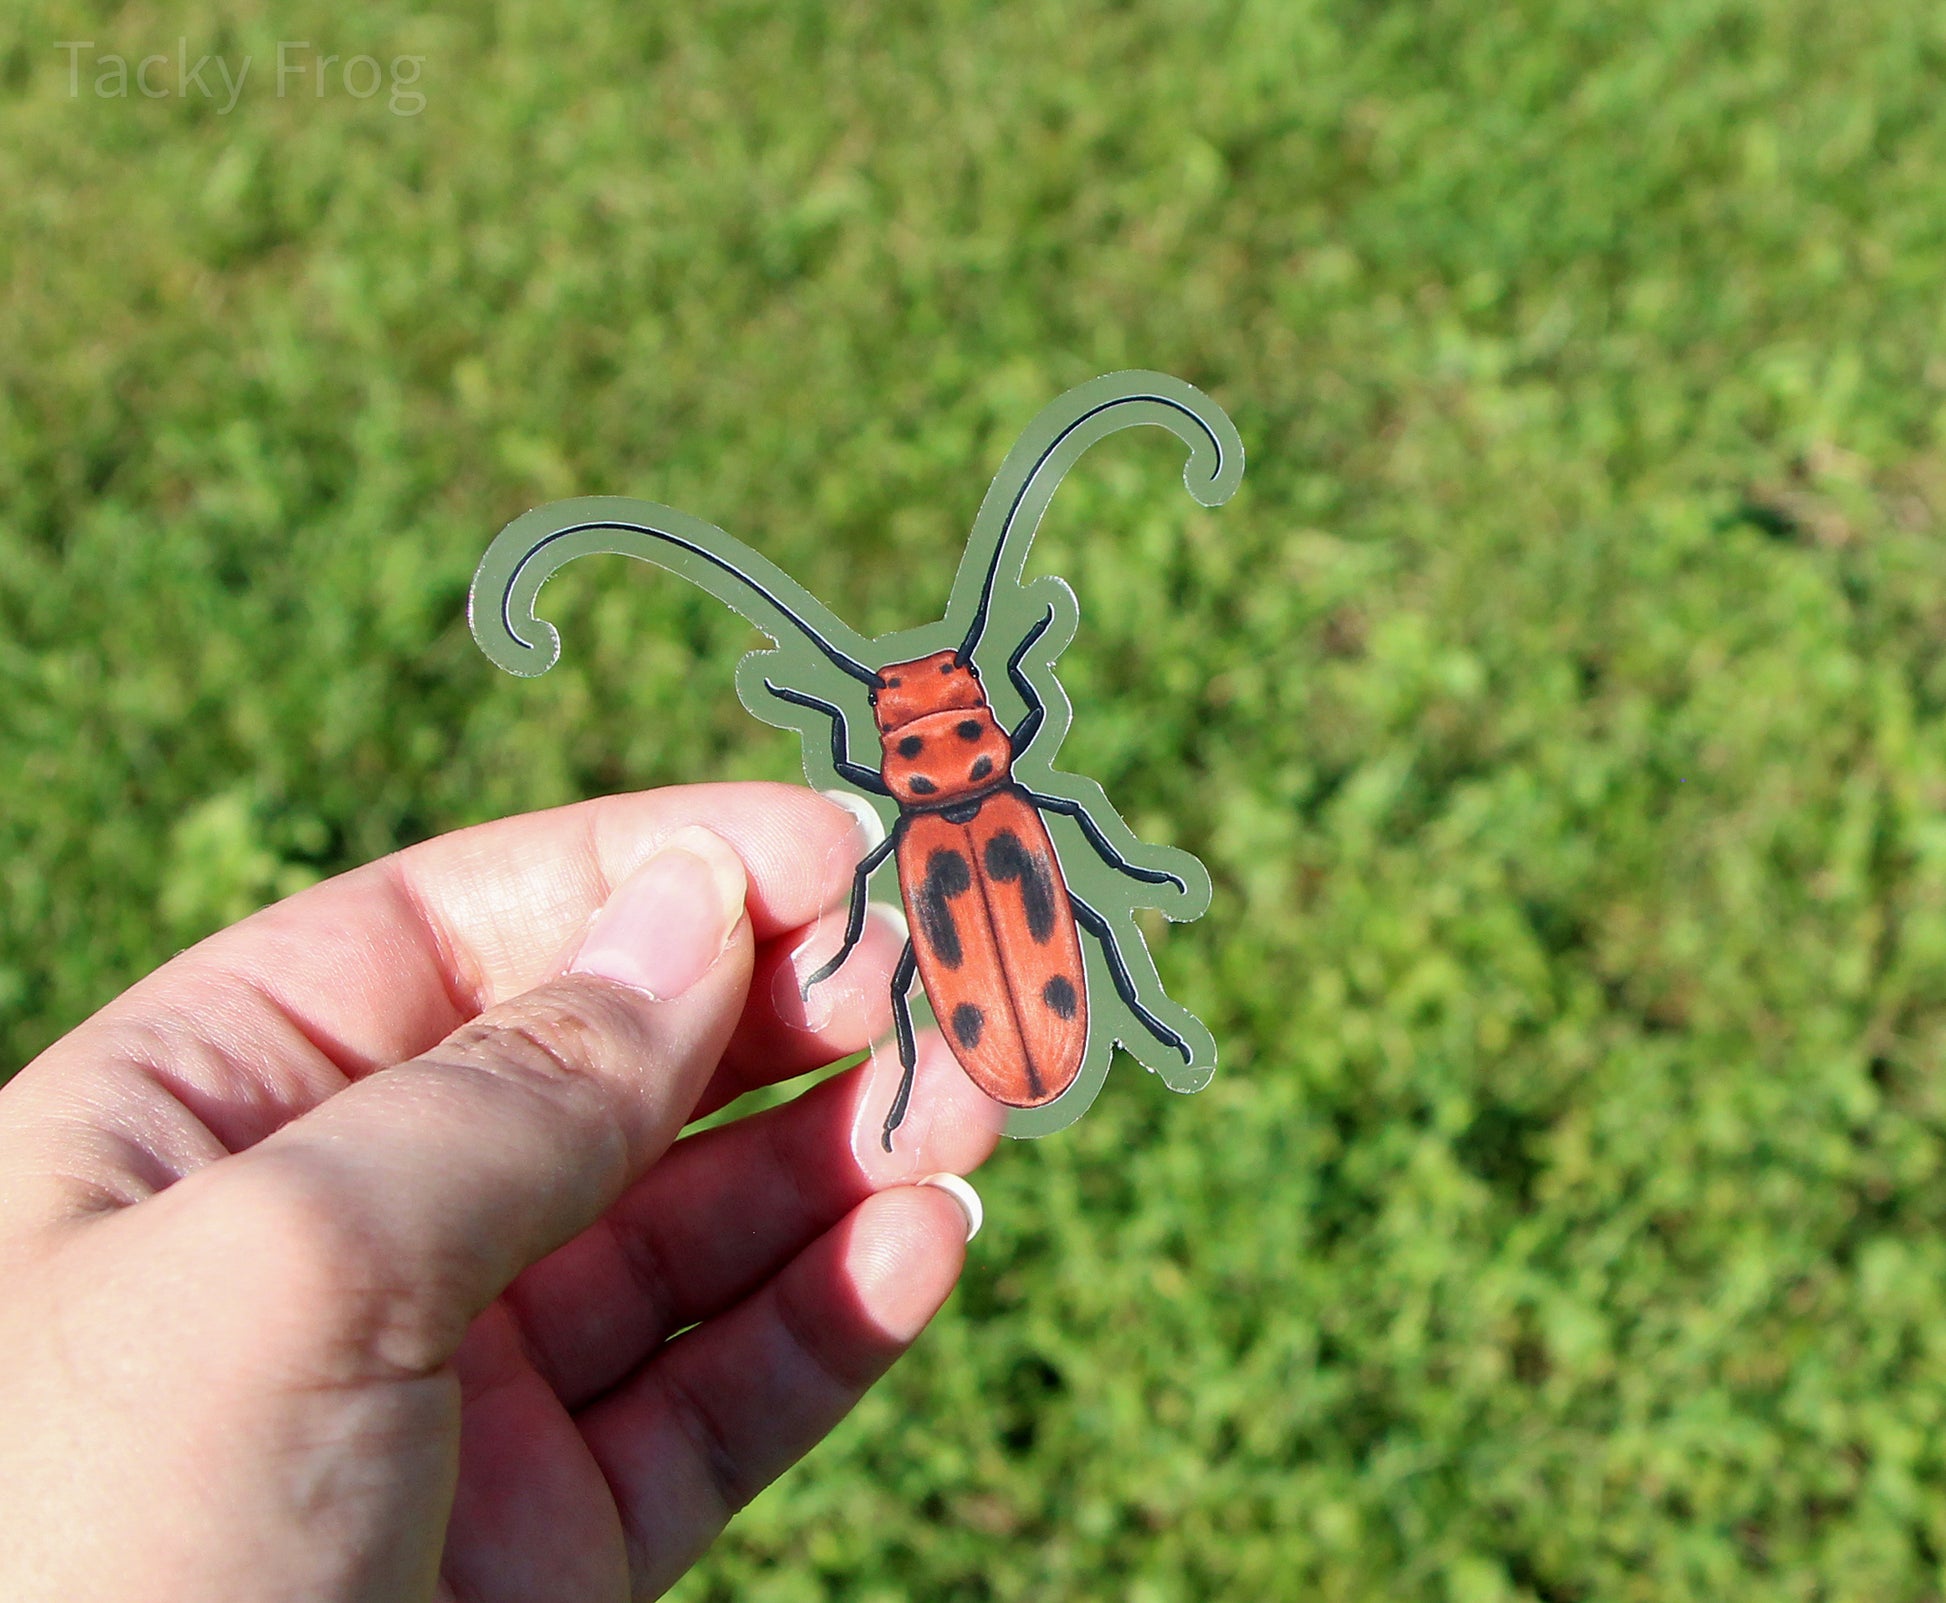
565 1048
723 1470
309 1252
562 1036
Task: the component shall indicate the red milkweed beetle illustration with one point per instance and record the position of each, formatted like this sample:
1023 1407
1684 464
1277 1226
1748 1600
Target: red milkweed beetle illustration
994 924
995 915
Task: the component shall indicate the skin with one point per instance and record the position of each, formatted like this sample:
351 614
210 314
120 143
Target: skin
345 1255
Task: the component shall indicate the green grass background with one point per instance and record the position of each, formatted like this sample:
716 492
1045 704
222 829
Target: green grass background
1560 706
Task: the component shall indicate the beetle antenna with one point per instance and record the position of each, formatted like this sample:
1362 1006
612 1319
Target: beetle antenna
1054 441
530 549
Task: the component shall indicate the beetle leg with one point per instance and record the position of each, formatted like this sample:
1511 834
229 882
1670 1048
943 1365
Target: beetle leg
1097 926
851 773
1101 843
1029 726
855 919
908 1048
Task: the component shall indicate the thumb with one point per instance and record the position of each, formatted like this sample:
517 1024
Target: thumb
414 1197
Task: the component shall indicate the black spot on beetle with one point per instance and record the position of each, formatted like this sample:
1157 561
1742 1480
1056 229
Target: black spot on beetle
981 768
946 877
911 746
1058 994
968 1024
945 667
1007 860
969 729
921 786
895 683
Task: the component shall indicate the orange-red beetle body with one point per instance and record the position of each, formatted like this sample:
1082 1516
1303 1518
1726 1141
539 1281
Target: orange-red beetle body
993 932
996 931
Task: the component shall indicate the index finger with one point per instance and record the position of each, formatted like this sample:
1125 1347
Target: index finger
262 1021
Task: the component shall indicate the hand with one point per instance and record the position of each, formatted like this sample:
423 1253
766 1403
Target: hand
343 1255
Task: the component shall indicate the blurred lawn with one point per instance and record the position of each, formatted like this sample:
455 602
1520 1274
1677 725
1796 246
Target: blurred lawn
1561 705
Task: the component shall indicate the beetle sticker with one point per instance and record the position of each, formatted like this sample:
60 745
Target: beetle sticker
1019 882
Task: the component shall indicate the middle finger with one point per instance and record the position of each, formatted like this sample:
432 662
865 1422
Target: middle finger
727 1207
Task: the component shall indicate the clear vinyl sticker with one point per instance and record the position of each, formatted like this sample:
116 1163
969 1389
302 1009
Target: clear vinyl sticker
1017 884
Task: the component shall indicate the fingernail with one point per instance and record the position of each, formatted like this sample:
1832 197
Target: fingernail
871 827
664 927
962 1192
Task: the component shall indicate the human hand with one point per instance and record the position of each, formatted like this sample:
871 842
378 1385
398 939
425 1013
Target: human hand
343 1254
